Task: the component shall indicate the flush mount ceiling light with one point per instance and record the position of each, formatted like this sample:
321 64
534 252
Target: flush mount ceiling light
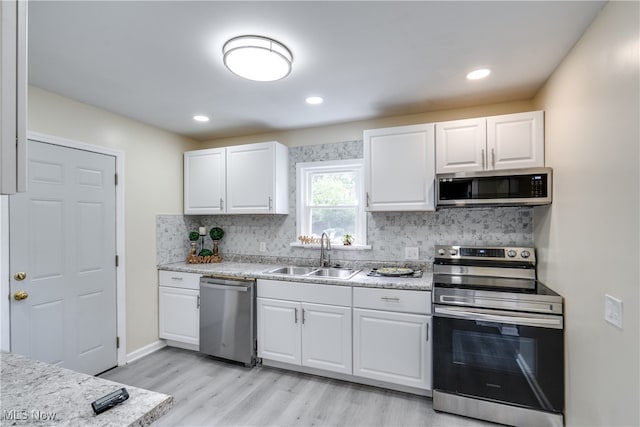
201 118
257 58
478 74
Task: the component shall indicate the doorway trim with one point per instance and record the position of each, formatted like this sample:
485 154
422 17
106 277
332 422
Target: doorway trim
121 329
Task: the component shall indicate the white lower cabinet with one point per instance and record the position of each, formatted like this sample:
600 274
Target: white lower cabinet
306 329
326 337
374 336
179 309
279 335
392 347
392 336
179 315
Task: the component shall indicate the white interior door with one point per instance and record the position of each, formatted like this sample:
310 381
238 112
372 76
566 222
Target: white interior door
62 235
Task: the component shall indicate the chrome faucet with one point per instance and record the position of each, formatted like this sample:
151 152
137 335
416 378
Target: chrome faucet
325 256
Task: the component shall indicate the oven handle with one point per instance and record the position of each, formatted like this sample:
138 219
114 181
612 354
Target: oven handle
500 318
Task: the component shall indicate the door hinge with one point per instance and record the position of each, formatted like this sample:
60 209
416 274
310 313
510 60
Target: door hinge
117 342
117 260
116 179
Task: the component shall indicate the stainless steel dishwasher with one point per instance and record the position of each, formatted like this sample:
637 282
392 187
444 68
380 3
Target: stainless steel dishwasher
228 318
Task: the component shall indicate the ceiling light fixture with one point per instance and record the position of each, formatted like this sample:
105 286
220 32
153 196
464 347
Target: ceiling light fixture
257 58
201 118
478 74
314 100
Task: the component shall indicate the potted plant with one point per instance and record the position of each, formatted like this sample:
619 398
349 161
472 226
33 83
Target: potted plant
347 239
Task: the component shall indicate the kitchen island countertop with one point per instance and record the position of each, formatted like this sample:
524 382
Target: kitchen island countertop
39 394
258 271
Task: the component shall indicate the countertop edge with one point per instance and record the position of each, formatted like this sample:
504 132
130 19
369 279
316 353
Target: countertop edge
258 271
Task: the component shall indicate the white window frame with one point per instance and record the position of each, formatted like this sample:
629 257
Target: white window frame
304 172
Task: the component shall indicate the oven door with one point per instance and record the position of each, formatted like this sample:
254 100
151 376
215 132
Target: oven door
508 357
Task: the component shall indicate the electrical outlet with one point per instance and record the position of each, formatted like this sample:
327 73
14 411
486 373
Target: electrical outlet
411 253
613 310
263 247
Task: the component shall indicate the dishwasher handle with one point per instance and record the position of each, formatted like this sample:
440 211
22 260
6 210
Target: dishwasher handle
240 286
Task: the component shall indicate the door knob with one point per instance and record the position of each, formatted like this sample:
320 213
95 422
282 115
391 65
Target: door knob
20 275
20 295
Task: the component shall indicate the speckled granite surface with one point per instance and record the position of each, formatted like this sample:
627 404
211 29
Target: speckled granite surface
258 271
38 394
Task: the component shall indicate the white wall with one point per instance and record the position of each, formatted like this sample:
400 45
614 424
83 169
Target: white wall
588 239
153 174
352 131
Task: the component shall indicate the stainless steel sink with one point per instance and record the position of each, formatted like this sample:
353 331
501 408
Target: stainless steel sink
327 272
335 273
292 270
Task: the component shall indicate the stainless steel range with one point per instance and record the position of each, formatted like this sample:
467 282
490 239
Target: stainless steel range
498 337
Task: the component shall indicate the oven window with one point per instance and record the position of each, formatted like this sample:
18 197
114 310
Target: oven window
502 362
496 352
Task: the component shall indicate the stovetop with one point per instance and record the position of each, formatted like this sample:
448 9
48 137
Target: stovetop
491 277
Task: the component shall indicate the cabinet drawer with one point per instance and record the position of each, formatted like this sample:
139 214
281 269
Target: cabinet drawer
178 279
392 300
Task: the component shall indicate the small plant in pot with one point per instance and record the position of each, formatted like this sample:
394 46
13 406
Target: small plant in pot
347 239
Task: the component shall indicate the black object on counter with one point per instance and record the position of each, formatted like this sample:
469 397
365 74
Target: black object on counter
110 400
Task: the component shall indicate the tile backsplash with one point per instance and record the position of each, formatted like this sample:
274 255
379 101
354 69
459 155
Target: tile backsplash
388 233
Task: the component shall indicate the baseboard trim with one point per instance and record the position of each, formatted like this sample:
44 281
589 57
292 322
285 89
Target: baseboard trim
145 351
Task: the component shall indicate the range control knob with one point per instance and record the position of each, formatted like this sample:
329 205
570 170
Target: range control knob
453 252
525 254
511 253
441 251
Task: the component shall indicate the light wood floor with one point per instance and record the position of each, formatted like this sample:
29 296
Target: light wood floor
209 392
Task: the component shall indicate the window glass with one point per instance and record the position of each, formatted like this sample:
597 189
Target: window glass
330 197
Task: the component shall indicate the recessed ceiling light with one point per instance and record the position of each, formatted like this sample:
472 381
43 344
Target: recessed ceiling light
478 74
201 118
314 100
257 58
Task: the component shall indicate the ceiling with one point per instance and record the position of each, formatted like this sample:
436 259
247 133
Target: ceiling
160 62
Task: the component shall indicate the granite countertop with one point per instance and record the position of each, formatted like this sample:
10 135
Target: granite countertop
38 394
257 270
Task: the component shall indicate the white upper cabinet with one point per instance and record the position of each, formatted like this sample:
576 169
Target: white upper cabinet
400 168
243 179
257 178
509 141
13 96
205 177
516 140
461 145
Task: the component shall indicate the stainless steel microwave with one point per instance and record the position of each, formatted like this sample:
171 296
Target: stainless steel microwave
513 187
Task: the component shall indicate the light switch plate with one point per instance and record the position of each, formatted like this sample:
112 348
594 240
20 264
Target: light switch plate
263 247
613 310
411 253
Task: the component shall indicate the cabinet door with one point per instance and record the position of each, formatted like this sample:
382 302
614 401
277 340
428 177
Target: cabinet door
251 178
461 145
400 168
179 314
516 140
13 96
392 347
279 325
326 337
204 181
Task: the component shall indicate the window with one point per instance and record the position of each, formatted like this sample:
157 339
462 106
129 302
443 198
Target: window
330 200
